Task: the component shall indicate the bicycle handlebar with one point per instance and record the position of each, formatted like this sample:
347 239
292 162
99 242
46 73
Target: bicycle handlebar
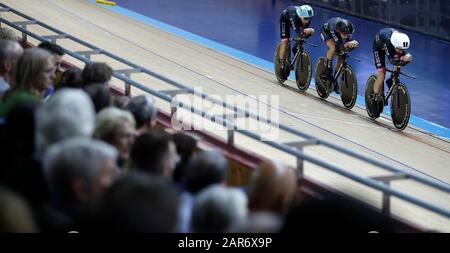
401 73
302 39
345 53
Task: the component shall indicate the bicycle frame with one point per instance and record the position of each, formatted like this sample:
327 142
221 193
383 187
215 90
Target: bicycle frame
395 80
300 48
342 67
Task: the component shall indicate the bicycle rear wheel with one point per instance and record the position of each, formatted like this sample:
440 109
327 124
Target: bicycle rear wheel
321 88
371 107
400 107
349 87
303 70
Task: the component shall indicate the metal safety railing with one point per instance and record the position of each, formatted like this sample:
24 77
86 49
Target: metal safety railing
293 148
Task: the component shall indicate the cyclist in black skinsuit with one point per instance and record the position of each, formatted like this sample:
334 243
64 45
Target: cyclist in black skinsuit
337 33
393 44
298 18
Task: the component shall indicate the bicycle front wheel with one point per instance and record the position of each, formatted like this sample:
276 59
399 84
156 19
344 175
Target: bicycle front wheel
400 107
303 70
349 87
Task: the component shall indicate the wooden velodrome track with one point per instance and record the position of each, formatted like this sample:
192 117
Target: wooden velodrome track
194 65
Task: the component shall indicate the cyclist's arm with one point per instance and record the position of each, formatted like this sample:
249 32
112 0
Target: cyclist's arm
331 49
351 44
401 61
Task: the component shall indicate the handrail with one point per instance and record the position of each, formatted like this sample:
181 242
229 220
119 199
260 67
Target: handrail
371 182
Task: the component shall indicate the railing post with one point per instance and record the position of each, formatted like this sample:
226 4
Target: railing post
173 110
128 86
299 146
300 172
386 202
230 137
386 199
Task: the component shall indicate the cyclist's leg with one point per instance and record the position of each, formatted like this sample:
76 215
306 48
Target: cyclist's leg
330 55
378 56
283 46
285 35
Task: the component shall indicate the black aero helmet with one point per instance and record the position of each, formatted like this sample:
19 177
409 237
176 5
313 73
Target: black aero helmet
345 26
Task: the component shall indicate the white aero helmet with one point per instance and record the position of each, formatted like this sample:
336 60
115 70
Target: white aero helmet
305 11
400 40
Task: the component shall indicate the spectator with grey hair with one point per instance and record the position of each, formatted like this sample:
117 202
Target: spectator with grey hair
34 73
155 152
217 209
136 203
10 52
8 34
204 169
78 171
68 113
116 127
144 111
96 72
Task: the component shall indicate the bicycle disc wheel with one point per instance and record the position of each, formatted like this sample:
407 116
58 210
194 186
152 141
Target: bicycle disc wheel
371 107
321 88
303 70
349 87
400 107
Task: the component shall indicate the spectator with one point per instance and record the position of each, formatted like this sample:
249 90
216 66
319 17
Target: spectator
96 72
204 169
120 102
71 78
68 113
15 215
100 96
272 188
20 170
8 34
57 52
155 152
186 146
144 111
34 73
116 127
10 52
217 209
79 170
137 203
